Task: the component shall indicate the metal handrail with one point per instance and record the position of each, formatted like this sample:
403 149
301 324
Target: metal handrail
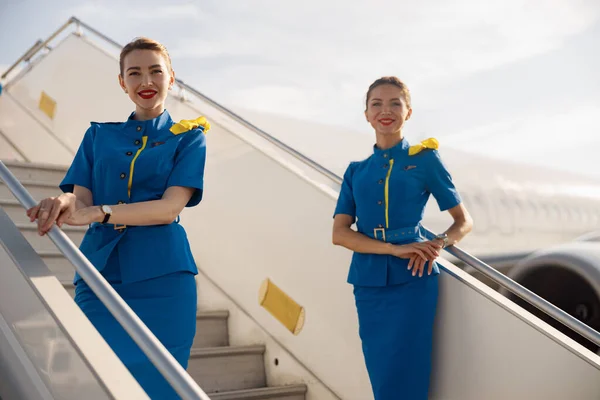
164 362
38 46
497 277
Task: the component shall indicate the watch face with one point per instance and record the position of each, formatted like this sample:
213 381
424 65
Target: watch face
106 210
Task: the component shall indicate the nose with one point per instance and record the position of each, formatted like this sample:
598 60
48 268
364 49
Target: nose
146 80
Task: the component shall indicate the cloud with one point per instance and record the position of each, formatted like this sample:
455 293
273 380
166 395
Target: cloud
467 62
337 49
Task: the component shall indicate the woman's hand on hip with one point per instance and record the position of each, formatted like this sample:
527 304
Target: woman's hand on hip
51 210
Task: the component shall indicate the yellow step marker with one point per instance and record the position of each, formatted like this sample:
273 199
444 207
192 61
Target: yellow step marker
281 306
47 105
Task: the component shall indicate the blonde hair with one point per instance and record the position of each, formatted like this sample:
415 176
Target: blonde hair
144 43
390 80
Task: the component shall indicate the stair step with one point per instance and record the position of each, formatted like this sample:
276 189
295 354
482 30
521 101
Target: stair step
43 243
36 172
38 189
211 326
69 287
211 329
58 264
292 392
221 369
227 372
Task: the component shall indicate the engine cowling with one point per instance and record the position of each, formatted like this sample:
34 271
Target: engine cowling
567 276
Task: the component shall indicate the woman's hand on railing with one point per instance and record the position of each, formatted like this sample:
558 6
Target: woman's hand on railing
418 254
51 210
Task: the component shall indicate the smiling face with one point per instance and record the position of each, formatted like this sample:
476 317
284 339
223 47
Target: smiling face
387 109
146 76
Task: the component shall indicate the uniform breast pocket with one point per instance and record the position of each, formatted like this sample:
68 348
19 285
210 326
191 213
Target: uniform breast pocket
155 163
407 183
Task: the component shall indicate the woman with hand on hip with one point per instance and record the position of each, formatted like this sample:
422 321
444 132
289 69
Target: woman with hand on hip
393 267
129 181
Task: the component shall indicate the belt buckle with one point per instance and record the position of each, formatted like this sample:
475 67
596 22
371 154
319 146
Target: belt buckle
119 227
382 230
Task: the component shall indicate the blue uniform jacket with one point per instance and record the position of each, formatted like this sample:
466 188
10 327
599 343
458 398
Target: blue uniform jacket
386 195
131 162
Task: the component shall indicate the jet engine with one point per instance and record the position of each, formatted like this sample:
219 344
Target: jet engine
567 276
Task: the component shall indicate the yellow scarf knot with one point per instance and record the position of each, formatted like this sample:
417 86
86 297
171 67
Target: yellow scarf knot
430 143
188 124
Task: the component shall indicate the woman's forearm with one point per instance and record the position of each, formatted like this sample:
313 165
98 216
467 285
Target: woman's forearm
459 229
155 212
360 243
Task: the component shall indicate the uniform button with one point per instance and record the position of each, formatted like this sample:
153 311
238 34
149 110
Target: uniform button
380 181
380 226
129 153
120 202
380 202
385 155
123 175
137 142
139 128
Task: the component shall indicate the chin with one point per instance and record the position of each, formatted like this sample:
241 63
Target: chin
389 131
149 106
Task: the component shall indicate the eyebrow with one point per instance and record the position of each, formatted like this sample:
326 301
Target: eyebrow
377 99
150 67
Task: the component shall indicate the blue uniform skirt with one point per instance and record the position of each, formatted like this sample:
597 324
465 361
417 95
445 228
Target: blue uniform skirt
167 305
396 330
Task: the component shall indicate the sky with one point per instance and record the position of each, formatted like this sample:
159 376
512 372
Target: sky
515 79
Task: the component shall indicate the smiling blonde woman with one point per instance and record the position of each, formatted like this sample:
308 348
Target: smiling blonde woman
393 267
129 181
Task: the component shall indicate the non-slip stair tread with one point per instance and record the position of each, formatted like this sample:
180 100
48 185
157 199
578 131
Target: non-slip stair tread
260 393
50 253
9 202
34 165
225 351
28 182
216 314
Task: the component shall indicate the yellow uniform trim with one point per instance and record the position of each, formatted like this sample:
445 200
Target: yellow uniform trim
430 143
144 141
387 194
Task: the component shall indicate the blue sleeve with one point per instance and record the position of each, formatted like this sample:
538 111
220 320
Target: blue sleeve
188 170
80 171
439 183
345 202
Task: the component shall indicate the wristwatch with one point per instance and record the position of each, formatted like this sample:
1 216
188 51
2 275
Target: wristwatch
107 213
443 237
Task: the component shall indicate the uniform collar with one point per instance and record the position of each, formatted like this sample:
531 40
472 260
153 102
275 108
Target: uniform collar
400 148
150 127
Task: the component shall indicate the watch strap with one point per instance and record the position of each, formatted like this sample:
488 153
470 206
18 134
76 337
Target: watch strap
106 215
